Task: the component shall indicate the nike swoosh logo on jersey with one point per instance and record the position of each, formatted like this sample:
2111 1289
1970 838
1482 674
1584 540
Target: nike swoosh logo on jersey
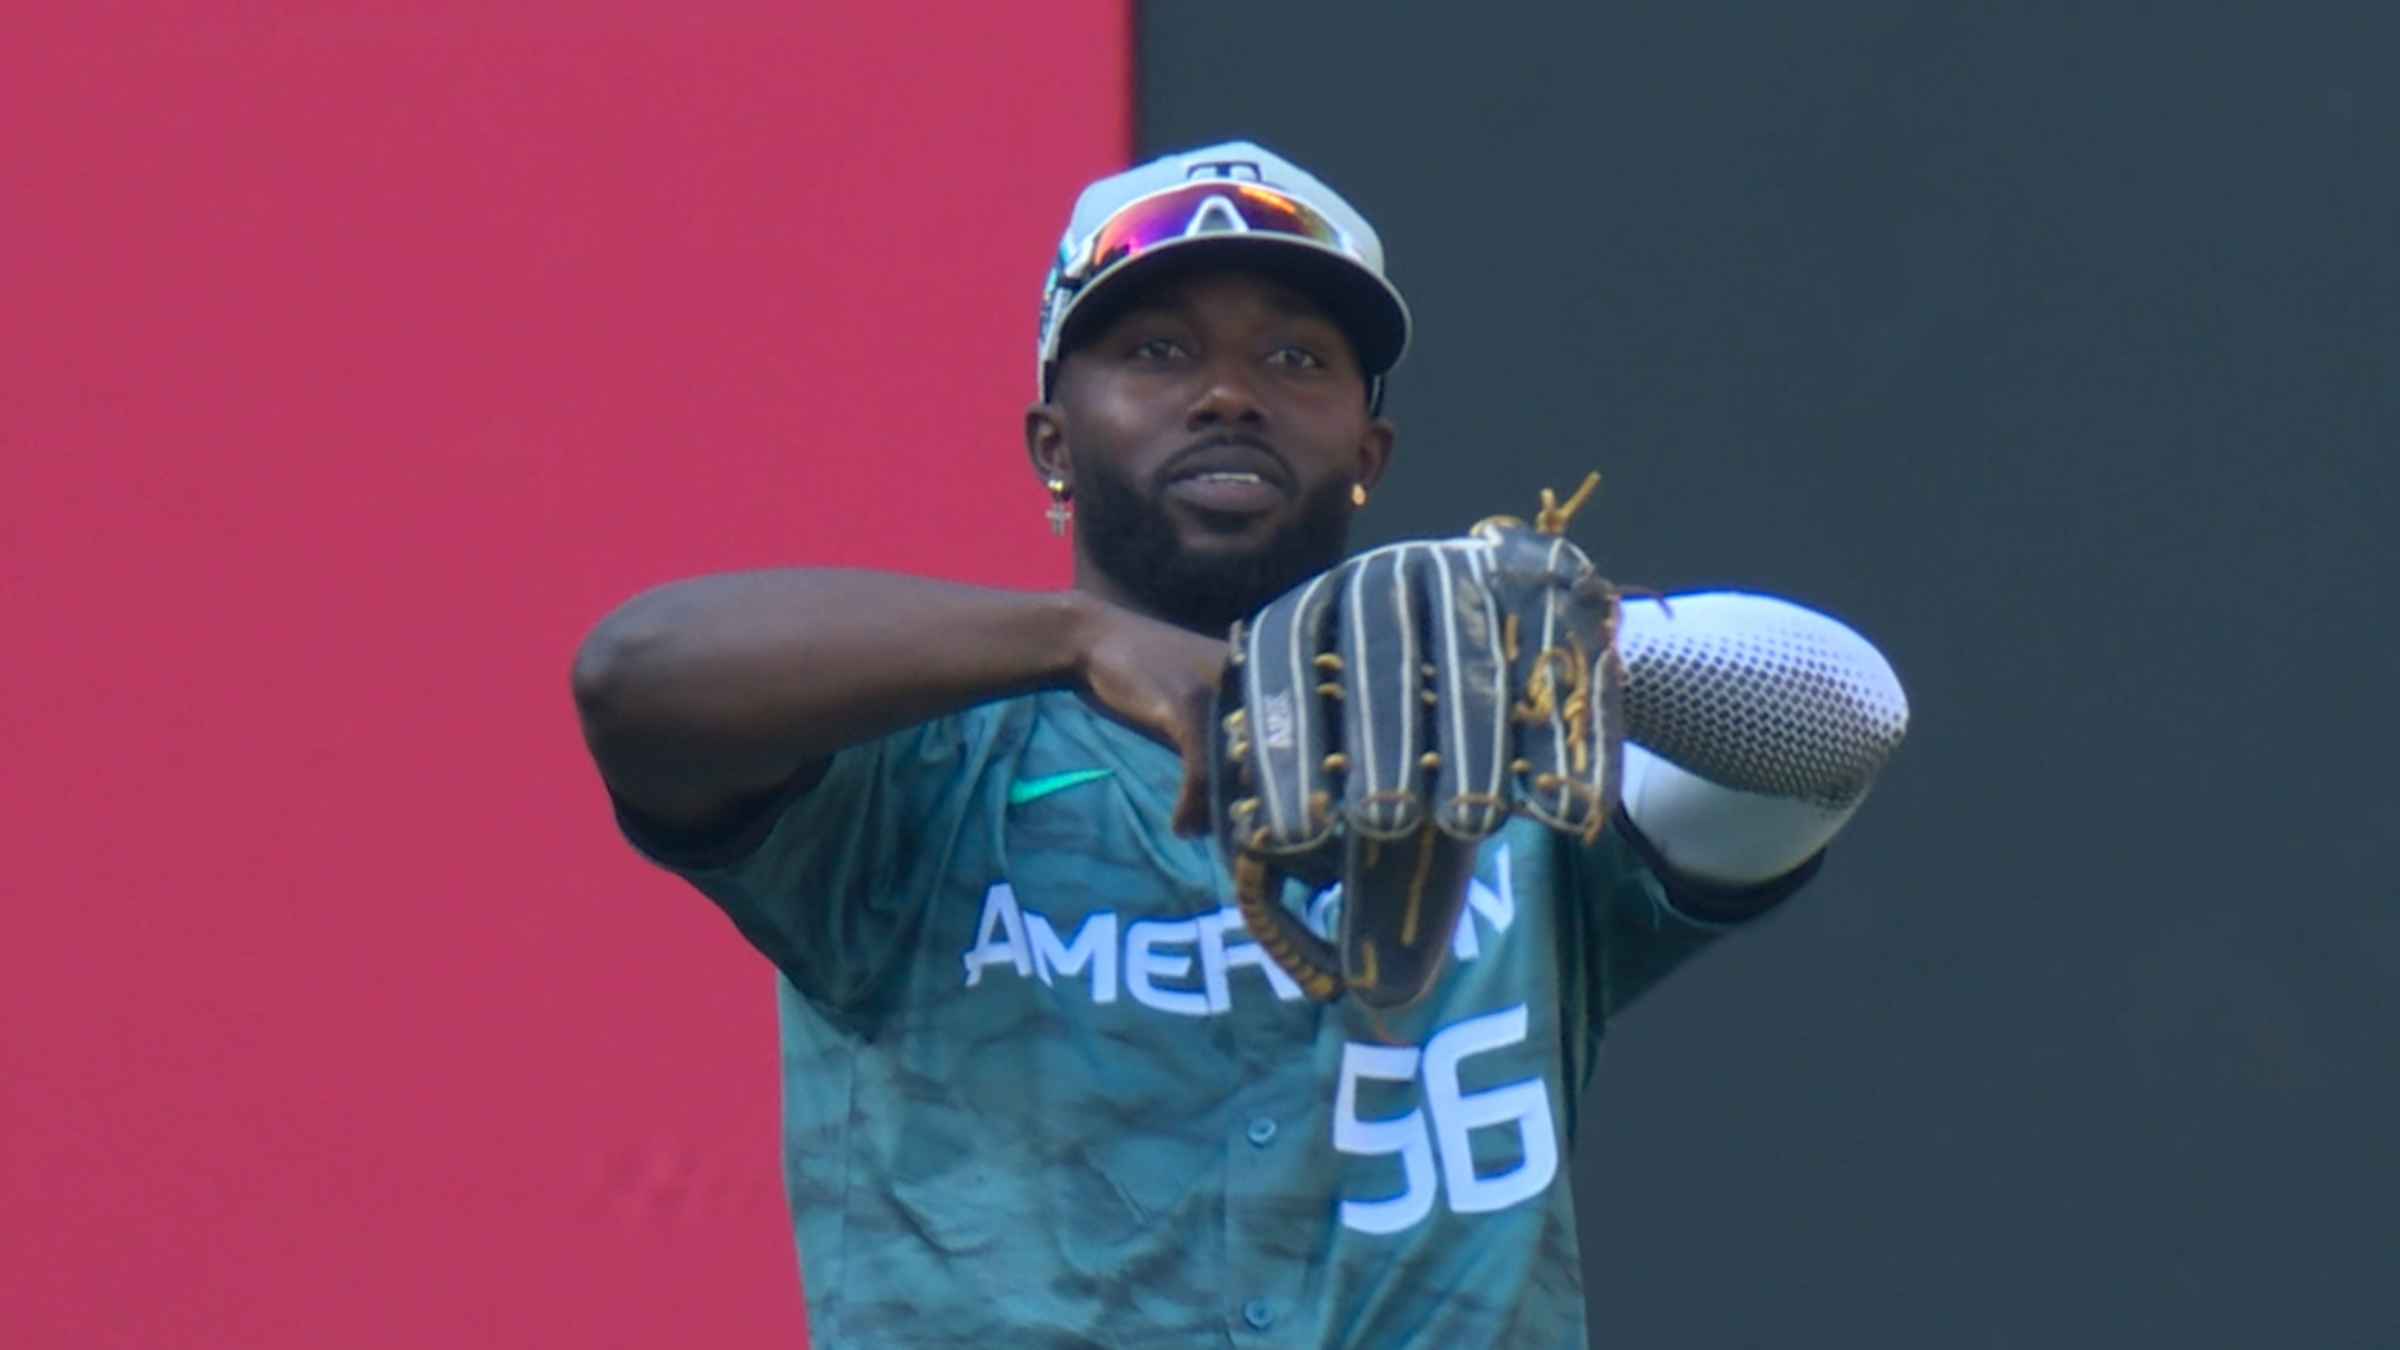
1034 789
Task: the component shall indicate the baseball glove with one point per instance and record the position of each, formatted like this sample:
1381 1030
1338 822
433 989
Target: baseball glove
1376 723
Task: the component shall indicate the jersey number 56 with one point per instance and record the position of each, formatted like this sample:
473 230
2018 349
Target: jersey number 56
1441 1128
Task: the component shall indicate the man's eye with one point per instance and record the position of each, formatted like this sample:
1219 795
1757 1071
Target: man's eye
1157 349
1299 358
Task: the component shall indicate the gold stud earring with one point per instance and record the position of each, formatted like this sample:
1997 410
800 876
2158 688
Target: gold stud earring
1358 494
1060 513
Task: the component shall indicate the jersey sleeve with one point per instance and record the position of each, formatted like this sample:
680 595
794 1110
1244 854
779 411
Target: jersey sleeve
1645 920
829 883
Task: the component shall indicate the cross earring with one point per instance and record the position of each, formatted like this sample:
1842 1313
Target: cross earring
1060 513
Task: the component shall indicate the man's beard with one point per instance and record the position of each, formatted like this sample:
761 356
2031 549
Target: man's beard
1131 538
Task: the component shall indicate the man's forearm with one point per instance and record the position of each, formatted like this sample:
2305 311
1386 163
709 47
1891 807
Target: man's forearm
703 694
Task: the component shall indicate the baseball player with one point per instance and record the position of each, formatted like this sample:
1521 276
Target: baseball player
1042 1084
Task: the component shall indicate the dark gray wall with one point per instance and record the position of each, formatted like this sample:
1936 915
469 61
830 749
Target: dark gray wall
2055 348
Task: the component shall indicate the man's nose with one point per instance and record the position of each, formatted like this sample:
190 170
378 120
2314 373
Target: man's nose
1227 397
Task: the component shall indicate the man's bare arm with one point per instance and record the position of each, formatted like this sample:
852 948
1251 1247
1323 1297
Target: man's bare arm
700 697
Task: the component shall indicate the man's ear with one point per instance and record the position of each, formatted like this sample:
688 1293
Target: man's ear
1375 451
1046 444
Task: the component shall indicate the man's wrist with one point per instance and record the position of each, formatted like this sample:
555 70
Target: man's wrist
1073 622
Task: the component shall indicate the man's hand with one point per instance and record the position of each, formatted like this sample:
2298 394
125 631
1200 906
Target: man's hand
1161 681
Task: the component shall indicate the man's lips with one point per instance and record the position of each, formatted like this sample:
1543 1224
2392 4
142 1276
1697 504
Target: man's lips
1226 494
1236 460
1228 476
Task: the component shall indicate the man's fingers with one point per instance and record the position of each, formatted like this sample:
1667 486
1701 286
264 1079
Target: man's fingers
1191 802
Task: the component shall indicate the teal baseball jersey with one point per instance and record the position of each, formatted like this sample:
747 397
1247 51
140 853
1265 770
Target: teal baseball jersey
1041 1089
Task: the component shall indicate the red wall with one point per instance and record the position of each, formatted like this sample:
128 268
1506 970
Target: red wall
353 359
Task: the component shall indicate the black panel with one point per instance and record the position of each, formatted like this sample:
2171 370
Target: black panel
2054 347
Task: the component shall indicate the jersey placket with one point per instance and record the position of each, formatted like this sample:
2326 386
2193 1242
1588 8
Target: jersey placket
1276 1197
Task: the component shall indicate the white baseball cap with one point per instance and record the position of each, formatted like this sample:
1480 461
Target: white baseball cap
1231 198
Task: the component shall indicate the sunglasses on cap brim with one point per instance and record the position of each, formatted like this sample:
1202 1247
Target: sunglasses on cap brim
1211 207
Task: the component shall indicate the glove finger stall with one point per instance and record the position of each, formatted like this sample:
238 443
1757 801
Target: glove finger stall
1564 669
1382 652
1286 724
1470 706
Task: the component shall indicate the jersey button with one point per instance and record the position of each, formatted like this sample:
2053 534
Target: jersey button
1262 1131
1258 1314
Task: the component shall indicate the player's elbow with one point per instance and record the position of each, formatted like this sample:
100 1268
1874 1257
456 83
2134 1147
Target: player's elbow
606 676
